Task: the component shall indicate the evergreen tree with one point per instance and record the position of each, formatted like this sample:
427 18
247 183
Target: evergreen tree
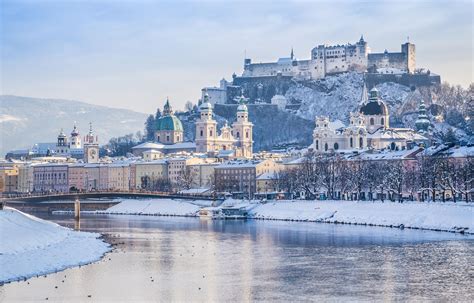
150 128
158 114
450 137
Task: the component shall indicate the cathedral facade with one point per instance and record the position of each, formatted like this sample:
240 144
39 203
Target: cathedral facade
368 129
236 138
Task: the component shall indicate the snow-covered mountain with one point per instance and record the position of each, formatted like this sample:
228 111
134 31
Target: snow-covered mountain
25 121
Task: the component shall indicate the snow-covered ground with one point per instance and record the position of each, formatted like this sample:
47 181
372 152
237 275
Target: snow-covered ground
31 246
165 207
436 216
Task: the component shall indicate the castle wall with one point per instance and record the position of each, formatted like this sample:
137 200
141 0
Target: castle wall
268 69
388 60
416 80
216 95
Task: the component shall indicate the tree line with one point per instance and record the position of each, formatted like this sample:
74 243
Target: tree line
335 177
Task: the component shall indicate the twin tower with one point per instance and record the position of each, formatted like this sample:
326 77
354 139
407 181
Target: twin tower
236 139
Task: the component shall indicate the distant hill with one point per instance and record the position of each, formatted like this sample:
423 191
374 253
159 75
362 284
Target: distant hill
25 121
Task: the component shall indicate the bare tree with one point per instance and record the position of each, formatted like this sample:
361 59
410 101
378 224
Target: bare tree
186 178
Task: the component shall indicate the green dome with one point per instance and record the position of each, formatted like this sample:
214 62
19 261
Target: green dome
169 122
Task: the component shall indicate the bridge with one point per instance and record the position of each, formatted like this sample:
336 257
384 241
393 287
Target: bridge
89 200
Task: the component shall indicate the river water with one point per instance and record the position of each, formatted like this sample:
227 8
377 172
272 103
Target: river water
173 259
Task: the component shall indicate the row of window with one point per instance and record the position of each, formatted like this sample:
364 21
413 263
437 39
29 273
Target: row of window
50 176
336 145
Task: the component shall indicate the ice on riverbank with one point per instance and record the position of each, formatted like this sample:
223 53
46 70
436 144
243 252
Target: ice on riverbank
31 246
442 216
166 207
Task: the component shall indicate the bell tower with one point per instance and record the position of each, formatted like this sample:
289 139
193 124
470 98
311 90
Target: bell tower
242 131
91 147
206 128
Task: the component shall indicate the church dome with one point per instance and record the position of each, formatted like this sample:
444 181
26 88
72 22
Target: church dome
242 108
374 106
75 132
205 104
62 134
169 122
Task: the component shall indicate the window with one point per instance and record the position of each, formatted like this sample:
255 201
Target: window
382 121
336 146
361 142
247 135
326 147
210 133
202 133
371 121
167 138
238 135
317 144
351 142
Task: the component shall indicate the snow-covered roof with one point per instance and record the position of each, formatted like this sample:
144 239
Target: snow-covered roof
295 161
149 145
225 153
386 154
286 60
461 151
180 145
158 161
159 146
266 176
240 164
151 151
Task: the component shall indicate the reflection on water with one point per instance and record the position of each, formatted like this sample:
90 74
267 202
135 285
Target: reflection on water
188 259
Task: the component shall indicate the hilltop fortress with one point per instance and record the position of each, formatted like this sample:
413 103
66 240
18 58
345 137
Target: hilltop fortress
332 59
261 82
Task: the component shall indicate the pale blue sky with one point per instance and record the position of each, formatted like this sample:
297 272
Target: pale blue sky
132 54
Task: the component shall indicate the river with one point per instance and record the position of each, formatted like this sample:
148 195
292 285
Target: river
175 259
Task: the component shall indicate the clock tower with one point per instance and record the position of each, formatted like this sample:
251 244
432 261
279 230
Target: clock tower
91 147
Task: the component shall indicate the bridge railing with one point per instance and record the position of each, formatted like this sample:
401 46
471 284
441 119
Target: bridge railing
35 195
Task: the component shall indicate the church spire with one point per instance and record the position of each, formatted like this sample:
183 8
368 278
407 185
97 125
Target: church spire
167 109
422 123
292 55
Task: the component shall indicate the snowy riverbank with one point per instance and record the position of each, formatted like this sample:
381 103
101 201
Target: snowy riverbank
158 207
457 217
454 217
30 246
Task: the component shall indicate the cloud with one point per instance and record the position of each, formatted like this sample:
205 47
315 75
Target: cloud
135 53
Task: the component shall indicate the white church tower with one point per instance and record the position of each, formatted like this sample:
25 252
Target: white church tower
242 132
206 128
76 142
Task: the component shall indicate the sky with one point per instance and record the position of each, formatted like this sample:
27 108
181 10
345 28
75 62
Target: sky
134 54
